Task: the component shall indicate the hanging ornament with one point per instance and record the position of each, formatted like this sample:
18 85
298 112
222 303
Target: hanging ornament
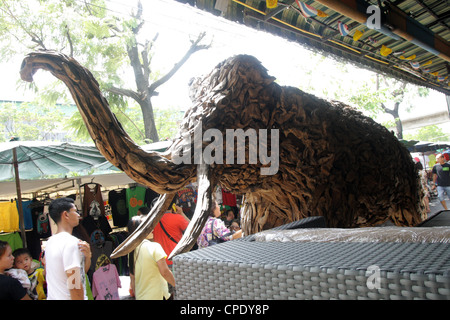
409 58
271 4
309 11
357 35
441 78
427 63
385 51
343 29
435 73
321 14
415 65
426 70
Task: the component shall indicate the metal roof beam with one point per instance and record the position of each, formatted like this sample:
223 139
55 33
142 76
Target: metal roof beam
403 25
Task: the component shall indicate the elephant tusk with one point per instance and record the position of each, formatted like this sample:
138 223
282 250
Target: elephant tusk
201 213
144 229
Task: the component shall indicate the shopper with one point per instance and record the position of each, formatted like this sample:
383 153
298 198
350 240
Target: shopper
170 229
10 288
149 273
67 257
441 178
215 229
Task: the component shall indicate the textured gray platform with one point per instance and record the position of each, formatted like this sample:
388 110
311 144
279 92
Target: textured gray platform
258 270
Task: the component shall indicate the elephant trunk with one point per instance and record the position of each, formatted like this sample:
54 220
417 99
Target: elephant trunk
148 168
151 169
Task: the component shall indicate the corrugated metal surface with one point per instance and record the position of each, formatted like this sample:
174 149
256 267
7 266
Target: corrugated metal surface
417 32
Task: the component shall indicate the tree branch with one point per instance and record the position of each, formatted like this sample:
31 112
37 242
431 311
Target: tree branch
387 110
70 41
146 57
134 124
35 38
125 92
194 48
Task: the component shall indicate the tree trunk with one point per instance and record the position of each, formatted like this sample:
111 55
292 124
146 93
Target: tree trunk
144 94
398 121
399 127
149 120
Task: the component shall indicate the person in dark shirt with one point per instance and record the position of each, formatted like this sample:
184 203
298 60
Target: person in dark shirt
10 288
441 178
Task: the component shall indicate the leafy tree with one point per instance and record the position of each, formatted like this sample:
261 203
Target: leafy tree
107 44
30 121
429 133
398 93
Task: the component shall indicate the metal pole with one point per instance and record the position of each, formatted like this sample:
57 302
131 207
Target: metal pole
19 199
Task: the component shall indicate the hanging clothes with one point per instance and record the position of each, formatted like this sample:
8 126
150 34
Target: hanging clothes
122 262
93 200
106 283
117 199
91 224
9 217
187 199
41 220
150 195
228 198
135 199
14 240
99 246
27 218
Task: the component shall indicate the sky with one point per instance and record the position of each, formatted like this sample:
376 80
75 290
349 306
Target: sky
178 23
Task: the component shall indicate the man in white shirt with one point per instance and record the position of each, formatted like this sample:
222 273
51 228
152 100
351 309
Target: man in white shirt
66 256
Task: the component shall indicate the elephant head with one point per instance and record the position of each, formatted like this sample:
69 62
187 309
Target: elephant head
301 155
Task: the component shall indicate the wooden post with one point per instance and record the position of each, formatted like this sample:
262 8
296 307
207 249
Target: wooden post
19 199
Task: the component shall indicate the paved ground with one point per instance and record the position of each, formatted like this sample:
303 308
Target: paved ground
436 206
438 216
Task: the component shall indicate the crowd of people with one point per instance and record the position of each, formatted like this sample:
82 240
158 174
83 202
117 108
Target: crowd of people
61 272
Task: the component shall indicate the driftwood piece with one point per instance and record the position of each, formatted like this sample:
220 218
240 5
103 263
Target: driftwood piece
333 161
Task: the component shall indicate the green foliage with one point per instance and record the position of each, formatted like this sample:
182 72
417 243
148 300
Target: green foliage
29 121
130 116
167 122
104 42
83 29
429 133
367 98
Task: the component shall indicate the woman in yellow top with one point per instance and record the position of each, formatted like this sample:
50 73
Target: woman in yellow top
149 272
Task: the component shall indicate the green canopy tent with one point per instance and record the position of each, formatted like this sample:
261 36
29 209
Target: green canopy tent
35 159
159 146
